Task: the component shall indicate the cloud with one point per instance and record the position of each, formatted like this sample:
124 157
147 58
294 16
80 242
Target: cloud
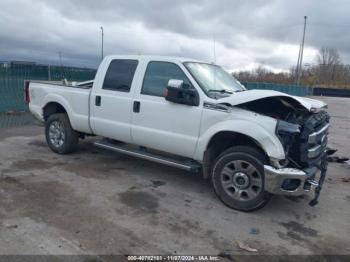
246 33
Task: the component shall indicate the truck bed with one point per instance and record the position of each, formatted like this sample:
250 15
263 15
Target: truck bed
74 97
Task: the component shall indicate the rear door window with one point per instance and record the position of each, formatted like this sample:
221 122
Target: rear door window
119 75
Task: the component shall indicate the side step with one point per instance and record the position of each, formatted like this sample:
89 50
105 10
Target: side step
185 164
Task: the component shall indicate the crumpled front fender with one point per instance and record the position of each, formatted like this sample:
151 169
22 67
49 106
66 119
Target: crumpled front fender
262 135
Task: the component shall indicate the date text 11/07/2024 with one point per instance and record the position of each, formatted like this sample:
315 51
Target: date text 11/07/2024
173 258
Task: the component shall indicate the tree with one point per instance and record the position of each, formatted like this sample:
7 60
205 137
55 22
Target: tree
328 59
327 71
328 56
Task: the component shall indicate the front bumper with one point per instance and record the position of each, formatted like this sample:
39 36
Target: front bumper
304 181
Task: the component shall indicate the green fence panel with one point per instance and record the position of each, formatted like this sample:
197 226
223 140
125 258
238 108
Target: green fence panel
289 89
15 120
12 79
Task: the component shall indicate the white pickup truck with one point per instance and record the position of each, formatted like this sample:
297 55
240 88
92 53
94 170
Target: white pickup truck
193 115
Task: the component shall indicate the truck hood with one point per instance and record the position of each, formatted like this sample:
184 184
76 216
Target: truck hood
252 95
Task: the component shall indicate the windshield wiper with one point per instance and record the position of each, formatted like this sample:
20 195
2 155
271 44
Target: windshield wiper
223 91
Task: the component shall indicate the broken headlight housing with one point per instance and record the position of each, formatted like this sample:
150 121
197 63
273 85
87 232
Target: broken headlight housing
286 133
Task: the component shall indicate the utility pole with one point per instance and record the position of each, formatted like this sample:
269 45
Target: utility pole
102 36
60 57
297 68
300 67
61 64
49 72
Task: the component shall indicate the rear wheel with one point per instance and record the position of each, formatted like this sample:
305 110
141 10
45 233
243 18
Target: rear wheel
238 178
60 136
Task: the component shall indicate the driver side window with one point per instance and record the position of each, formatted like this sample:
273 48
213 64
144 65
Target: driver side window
158 75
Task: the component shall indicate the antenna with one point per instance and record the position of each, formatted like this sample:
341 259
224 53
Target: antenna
214 49
214 53
102 42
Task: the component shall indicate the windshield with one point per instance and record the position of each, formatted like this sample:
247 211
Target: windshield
213 78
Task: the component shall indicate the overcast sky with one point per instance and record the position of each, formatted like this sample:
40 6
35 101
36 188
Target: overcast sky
246 33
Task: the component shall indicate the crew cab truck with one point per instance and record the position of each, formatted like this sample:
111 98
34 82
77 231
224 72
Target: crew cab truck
192 115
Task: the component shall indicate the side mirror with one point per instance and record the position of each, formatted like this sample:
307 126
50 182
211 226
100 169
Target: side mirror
178 92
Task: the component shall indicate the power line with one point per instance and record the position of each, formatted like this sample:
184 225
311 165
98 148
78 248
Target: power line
329 25
270 27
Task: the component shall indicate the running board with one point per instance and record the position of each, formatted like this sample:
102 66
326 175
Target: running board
185 164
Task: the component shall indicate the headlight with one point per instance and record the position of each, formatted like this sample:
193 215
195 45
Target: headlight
284 127
286 132
318 109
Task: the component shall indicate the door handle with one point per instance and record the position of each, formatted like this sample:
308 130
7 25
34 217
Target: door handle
98 100
136 107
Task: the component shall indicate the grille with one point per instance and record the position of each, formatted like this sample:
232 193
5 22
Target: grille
312 142
317 142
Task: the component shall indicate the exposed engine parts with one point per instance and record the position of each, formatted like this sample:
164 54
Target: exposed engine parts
302 133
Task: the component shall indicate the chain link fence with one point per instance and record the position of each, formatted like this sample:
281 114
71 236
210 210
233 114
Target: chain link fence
15 119
12 78
289 89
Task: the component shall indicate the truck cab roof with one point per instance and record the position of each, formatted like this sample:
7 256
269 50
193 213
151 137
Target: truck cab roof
154 58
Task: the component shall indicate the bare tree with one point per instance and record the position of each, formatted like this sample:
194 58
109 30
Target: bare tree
328 56
328 60
263 74
328 71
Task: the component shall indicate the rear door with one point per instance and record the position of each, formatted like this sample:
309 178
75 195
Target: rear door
158 123
111 102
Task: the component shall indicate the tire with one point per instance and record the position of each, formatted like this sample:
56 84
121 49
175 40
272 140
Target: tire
60 136
238 178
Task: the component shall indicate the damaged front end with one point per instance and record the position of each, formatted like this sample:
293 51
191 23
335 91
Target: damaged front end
303 132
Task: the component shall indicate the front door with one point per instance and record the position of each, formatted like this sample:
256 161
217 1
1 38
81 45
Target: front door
160 124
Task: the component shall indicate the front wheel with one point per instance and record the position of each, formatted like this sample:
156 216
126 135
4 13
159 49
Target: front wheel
60 136
238 178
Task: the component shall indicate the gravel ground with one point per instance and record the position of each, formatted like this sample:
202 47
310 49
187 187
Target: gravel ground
96 202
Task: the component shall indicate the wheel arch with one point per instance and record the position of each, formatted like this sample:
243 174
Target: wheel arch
234 138
53 108
223 140
52 102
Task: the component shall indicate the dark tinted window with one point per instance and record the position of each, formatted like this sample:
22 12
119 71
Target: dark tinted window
158 75
119 75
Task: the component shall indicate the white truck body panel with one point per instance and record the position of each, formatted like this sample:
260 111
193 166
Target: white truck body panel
169 127
259 127
74 100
